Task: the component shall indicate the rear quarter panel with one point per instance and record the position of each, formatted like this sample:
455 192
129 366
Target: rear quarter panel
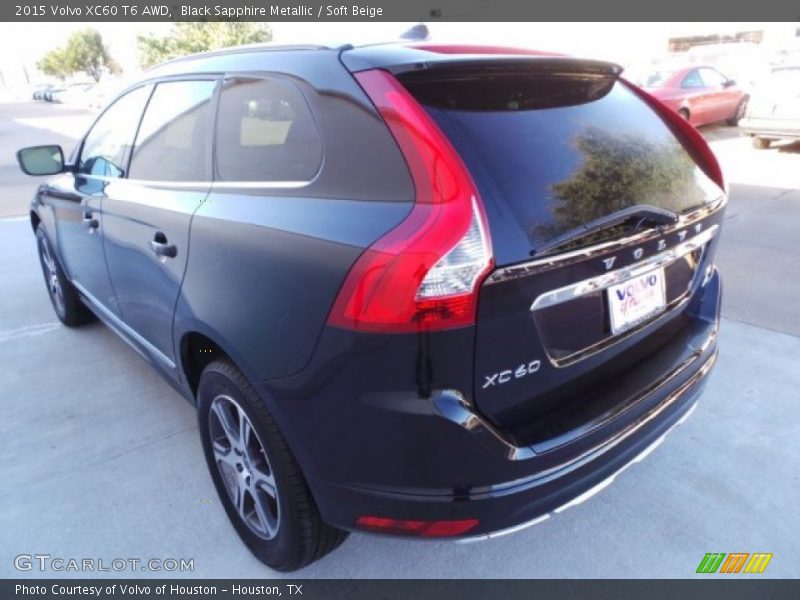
265 261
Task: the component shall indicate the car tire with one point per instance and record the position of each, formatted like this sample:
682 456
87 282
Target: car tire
65 299
684 113
738 114
761 143
259 482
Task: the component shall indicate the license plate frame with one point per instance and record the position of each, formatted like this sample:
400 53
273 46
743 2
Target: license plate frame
636 300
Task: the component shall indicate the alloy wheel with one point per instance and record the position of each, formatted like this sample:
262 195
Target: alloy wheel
51 276
243 464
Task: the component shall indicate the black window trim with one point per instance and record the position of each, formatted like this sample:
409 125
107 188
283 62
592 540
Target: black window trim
153 82
213 183
208 157
75 157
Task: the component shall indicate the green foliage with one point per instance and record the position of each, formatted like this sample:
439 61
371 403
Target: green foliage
189 38
84 52
619 171
54 63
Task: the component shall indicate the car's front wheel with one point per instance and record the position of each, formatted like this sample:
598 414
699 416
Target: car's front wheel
257 478
63 296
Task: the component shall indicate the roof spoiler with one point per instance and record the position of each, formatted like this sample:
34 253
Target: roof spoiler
427 57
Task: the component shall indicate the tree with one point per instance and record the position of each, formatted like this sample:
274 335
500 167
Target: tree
189 38
54 63
84 52
618 171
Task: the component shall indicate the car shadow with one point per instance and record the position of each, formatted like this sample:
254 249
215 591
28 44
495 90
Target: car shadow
789 147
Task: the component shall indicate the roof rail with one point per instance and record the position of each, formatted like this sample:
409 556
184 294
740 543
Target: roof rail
261 47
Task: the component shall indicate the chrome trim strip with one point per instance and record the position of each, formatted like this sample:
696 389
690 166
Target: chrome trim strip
199 185
260 184
550 262
473 422
580 499
601 282
115 322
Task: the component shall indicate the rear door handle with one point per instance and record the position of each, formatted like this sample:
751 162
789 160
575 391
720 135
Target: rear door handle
89 222
161 247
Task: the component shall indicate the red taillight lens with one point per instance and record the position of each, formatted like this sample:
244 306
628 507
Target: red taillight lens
424 274
417 528
697 145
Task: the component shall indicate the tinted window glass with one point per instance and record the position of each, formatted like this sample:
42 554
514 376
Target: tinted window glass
106 147
693 80
553 153
172 140
265 132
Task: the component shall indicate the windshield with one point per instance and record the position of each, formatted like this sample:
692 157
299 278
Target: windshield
550 154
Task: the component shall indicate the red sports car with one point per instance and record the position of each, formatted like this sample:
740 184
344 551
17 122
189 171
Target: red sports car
701 95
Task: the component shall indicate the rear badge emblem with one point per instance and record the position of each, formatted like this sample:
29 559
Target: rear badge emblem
502 377
609 262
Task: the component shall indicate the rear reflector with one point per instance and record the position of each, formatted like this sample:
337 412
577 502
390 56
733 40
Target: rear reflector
416 528
424 274
694 142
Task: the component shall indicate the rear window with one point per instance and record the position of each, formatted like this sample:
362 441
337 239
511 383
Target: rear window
550 153
265 132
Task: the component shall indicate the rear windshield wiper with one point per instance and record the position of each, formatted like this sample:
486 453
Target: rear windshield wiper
639 215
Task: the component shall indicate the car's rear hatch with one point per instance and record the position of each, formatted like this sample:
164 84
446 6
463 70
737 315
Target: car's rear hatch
589 193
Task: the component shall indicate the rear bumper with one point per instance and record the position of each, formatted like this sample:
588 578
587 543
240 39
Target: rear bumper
513 505
402 455
777 128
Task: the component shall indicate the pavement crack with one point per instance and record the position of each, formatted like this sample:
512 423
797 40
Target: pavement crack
28 330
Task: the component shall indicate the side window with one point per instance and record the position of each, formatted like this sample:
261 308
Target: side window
173 137
712 78
265 132
692 80
105 149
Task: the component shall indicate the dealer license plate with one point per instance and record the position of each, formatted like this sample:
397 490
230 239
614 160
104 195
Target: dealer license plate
636 300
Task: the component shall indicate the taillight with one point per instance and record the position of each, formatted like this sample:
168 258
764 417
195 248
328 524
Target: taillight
696 144
416 528
425 273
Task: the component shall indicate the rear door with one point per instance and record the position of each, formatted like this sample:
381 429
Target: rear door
147 217
699 97
722 100
552 153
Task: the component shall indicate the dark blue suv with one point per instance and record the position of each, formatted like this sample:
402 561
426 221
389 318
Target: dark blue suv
434 291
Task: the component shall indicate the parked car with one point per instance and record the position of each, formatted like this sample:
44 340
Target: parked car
47 94
746 62
774 111
701 95
39 91
421 290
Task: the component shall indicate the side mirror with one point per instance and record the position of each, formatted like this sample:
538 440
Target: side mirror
41 160
729 83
